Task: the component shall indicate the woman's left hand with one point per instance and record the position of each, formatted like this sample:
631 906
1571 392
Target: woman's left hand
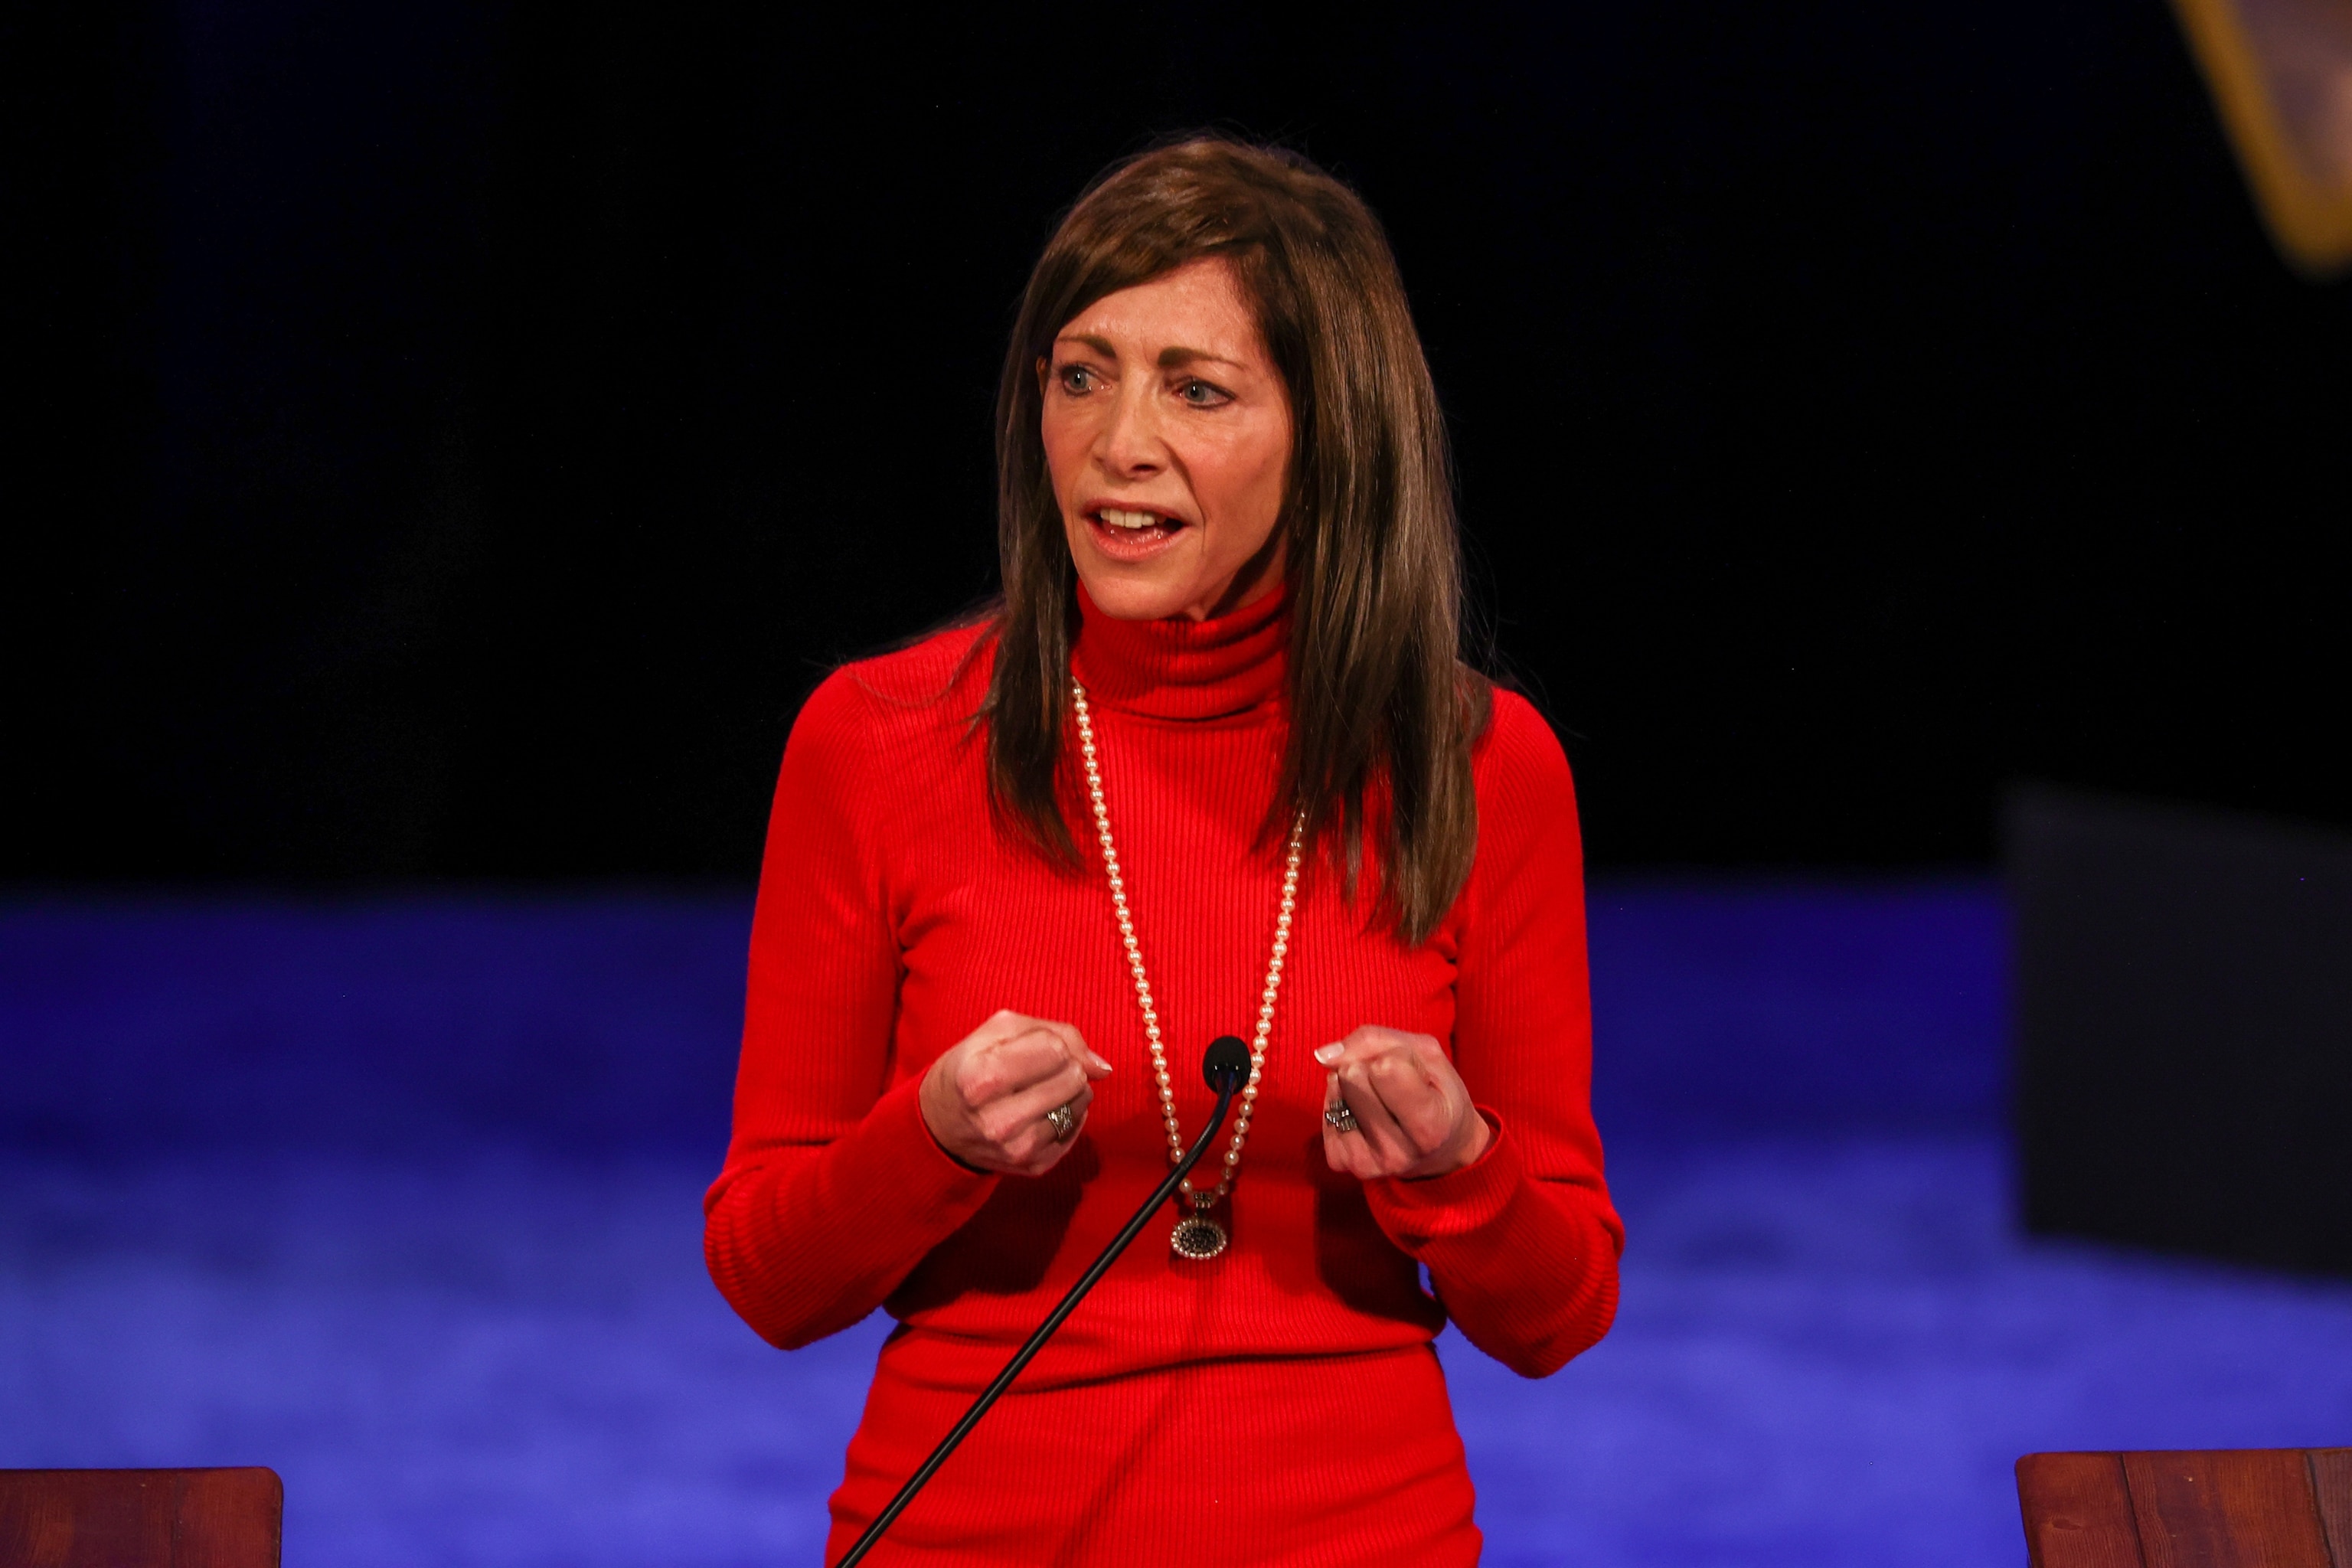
1414 1115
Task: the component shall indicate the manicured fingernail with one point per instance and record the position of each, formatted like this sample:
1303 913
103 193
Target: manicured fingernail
1098 1061
1329 1054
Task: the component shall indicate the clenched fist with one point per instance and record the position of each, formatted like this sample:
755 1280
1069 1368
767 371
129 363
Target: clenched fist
1414 1115
985 1100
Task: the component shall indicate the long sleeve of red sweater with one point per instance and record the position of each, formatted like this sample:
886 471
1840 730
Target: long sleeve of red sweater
1523 1245
834 1187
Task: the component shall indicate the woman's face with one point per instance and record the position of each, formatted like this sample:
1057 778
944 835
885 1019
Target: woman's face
1168 432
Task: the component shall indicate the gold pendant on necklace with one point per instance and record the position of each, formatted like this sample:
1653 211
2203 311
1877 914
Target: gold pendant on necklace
1198 1237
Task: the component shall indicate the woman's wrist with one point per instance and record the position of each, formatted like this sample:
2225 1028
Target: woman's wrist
1478 1137
927 1105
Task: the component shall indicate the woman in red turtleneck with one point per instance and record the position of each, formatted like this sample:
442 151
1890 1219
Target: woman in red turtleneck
1227 648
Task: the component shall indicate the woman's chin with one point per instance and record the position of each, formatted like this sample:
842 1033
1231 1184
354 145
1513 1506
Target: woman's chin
1152 584
1131 595
1177 577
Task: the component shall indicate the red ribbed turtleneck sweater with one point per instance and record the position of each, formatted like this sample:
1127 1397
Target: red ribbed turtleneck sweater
1280 1404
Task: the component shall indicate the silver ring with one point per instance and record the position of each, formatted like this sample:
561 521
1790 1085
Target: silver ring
1342 1118
1064 1120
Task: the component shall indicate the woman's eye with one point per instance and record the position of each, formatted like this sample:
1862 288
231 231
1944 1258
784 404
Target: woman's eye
1077 378
1201 395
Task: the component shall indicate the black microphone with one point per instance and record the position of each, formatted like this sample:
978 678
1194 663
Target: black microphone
1226 1065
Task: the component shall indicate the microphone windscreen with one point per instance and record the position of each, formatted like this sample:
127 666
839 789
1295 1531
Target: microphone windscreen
1226 1064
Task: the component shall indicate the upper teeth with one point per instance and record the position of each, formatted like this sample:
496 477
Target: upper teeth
1117 519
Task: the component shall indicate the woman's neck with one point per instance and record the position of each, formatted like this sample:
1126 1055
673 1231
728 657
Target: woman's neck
1185 668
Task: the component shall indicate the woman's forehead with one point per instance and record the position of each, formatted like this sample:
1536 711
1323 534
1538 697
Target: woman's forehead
1196 310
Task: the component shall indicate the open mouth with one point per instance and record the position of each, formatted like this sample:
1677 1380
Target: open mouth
1131 533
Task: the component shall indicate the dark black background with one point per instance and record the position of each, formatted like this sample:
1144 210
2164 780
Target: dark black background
449 440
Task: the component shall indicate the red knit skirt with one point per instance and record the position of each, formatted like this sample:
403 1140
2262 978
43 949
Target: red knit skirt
1339 1460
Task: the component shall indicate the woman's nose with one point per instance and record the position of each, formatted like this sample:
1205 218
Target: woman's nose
1130 440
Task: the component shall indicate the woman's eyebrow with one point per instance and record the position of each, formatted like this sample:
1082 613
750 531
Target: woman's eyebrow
1100 345
1177 357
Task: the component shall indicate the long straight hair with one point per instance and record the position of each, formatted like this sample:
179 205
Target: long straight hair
1382 710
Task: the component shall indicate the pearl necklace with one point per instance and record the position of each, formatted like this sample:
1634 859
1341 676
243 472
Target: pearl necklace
1197 1236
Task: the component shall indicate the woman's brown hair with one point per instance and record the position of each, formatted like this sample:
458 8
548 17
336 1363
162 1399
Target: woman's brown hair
1378 693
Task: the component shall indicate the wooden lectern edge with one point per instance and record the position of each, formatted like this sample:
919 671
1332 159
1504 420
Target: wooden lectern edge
218 1516
2331 1489
2082 1500
2084 1509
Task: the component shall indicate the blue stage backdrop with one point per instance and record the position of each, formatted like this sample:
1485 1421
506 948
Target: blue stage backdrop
399 1195
593 1024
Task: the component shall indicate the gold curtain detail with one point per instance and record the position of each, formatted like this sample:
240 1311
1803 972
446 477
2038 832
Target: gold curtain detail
2282 73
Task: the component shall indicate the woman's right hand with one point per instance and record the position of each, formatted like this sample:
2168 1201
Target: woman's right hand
985 1100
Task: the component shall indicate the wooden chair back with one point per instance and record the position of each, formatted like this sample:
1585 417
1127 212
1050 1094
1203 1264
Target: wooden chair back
2228 1508
141 1518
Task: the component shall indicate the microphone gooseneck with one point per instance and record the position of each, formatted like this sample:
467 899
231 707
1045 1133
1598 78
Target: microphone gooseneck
1224 1067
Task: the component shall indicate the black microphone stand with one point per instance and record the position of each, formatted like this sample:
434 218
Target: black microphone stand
1224 1065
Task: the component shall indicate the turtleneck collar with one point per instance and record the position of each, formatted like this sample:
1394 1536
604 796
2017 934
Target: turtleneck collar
1184 668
